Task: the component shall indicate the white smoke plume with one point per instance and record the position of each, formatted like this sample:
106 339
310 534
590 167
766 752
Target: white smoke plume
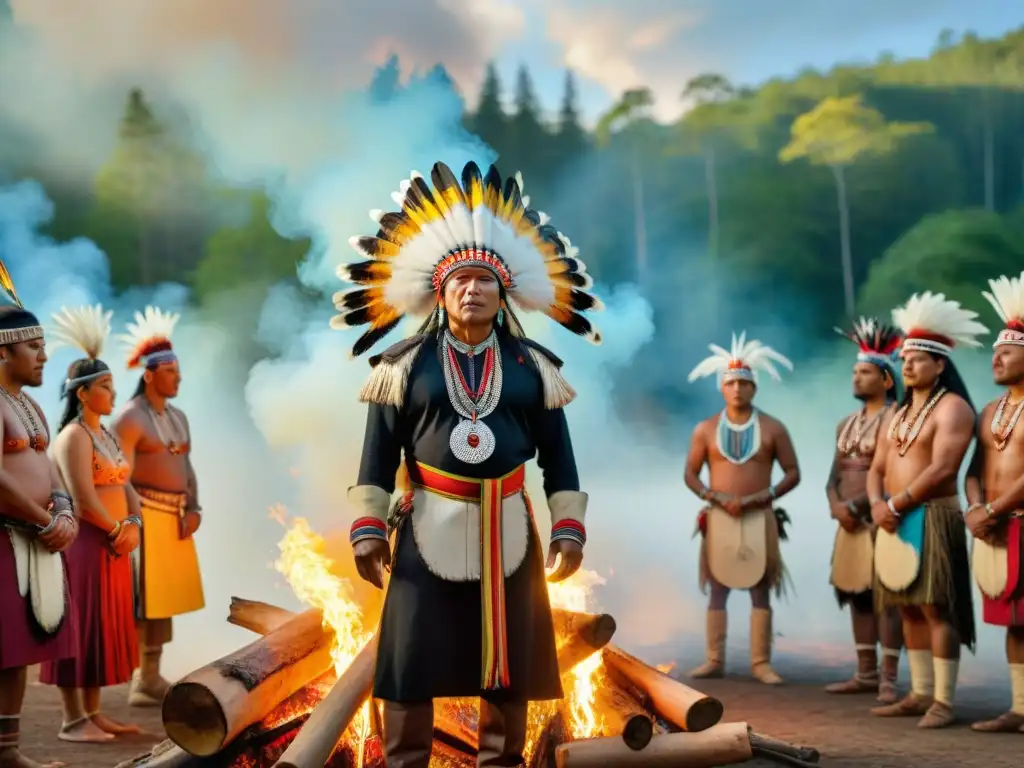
289 430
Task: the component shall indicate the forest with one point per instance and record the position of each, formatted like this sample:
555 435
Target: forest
798 202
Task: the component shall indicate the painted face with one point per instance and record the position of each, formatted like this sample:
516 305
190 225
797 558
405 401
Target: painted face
99 395
25 361
472 296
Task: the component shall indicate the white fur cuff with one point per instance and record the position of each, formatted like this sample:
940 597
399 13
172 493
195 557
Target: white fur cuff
371 506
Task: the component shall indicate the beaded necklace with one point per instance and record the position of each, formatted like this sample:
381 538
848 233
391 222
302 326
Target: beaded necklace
855 429
905 434
1000 433
738 443
28 416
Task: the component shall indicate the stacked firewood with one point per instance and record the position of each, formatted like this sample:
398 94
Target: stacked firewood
277 703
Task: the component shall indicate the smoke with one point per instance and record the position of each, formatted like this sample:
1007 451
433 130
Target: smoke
289 430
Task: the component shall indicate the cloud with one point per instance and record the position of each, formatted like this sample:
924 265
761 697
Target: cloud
621 44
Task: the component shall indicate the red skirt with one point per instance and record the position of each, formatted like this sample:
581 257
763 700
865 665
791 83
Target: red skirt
101 598
22 642
1008 609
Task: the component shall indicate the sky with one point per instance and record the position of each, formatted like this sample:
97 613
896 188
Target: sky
611 44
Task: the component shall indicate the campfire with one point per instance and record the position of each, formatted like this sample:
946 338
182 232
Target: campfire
298 696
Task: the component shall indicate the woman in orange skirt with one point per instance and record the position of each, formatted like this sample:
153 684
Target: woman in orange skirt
99 567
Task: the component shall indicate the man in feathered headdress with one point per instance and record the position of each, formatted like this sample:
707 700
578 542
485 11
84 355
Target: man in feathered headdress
995 495
37 523
156 439
740 529
468 401
921 562
875 378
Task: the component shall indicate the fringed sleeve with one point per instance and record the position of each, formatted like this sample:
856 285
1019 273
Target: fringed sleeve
382 454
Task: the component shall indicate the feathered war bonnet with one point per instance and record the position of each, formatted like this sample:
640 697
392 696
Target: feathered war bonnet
742 362
148 339
932 323
877 343
481 222
87 329
1007 298
17 324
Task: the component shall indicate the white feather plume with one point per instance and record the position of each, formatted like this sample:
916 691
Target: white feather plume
151 323
753 354
86 328
935 314
1007 298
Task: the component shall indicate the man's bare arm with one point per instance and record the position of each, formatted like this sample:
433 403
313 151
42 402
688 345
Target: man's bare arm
128 431
190 472
954 430
785 454
974 485
832 484
875 484
695 461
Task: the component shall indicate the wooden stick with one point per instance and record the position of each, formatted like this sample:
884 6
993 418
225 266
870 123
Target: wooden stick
206 710
584 635
623 715
458 719
555 733
679 704
166 754
807 754
316 741
782 758
257 616
723 744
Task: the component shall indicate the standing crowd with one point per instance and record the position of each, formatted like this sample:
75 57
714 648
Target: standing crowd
96 520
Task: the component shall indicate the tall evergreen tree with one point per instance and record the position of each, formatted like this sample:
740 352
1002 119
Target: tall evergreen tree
385 82
490 122
571 137
529 142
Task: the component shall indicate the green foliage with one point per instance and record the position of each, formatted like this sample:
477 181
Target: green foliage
840 131
953 252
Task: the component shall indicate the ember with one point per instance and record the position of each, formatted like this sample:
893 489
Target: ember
250 709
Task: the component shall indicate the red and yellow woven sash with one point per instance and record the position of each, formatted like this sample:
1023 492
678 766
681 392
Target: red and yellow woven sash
489 495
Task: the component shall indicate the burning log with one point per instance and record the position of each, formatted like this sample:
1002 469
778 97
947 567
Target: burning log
783 752
679 704
206 710
723 744
624 715
256 616
317 740
584 633
555 733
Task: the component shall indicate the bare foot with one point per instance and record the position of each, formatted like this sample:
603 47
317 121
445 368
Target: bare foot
83 731
108 725
10 757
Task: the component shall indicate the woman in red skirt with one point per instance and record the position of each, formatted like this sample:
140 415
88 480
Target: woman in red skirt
99 567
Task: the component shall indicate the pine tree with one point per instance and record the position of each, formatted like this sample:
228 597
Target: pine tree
490 122
529 142
571 138
385 82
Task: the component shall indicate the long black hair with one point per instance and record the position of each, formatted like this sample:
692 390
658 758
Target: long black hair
81 373
949 378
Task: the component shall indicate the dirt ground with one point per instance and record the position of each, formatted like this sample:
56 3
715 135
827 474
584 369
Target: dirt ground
799 712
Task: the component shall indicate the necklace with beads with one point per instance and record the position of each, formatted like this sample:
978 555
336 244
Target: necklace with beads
903 433
472 441
1001 433
104 442
26 414
856 428
738 443
167 422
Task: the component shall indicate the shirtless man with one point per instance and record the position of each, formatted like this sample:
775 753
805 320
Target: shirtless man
37 522
874 384
921 562
741 531
995 497
156 441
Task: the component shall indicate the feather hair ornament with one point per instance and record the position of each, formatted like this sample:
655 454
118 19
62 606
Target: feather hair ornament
86 328
148 339
7 283
933 323
1007 299
446 223
877 342
742 361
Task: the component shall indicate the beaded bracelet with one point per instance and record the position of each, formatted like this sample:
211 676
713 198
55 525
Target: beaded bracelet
368 528
569 529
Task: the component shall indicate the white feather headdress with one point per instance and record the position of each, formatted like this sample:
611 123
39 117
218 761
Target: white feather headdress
87 329
743 361
1007 298
147 341
482 221
933 323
